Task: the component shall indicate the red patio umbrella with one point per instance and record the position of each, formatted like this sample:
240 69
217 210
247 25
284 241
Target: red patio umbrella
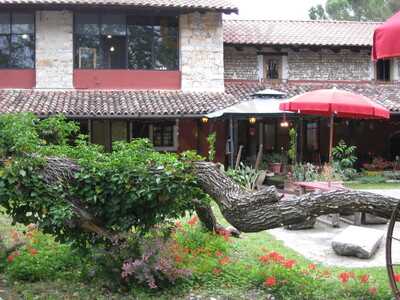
335 103
386 39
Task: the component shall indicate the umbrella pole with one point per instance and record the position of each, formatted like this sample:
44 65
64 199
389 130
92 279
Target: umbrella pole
331 139
330 149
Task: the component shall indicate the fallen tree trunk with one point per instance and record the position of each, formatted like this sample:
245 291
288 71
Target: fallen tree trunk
248 211
261 210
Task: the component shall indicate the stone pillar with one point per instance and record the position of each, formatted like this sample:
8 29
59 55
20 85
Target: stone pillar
54 50
201 52
285 68
394 72
260 64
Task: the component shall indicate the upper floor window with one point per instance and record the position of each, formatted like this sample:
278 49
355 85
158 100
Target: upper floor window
383 67
17 40
118 41
273 67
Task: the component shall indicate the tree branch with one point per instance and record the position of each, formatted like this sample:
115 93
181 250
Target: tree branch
256 211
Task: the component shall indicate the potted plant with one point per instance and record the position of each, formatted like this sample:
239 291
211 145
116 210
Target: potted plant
275 161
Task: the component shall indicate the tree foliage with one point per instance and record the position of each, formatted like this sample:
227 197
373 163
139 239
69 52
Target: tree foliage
134 187
355 10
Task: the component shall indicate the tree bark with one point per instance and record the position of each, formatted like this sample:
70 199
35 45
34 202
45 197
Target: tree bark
248 211
261 210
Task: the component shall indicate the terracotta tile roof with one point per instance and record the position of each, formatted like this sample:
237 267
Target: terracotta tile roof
386 94
113 103
298 33
220 5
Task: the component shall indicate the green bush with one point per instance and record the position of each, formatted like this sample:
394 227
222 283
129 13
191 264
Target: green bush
132 187
245 176
43 259
372 179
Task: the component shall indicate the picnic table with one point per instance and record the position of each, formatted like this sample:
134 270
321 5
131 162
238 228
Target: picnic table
323 186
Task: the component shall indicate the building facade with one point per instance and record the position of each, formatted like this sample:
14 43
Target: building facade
156 68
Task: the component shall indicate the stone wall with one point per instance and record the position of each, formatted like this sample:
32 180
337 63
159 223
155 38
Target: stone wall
241 64
54 50
303 65
201 52
328 65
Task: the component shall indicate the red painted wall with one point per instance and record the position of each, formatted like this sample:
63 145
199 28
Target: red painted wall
188 132
20 79
220 127
127 79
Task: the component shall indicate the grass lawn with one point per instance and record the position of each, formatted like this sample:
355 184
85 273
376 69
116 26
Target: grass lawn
372 186
247 249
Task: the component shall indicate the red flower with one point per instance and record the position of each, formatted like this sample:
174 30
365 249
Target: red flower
397 277
33 251
224 261
364 278
270 281
312 266
275 256
344 277
373 291
264 259
216 271
10 258
178 224
178 258
288 264
218 253
193 221
225 233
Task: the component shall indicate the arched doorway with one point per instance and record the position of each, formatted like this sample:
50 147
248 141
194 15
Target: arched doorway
395 145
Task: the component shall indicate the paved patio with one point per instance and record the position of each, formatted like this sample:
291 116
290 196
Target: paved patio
315 244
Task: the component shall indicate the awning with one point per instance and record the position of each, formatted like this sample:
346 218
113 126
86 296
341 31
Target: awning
252 107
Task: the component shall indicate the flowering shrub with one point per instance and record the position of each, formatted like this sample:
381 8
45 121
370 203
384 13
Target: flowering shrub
284 277
41 258
157 265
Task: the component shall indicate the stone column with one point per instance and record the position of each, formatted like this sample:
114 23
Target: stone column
54 50
260 64
201 52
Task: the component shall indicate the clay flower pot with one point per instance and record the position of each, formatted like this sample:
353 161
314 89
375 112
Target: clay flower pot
276 167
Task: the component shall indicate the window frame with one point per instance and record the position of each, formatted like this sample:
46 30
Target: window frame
389 62
10 35
126 15
175 133
270 56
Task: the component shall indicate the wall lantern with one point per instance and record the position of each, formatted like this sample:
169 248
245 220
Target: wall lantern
284 123
204 120
252 120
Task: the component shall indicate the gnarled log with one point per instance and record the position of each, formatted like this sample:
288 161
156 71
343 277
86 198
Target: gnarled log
261 210
248 211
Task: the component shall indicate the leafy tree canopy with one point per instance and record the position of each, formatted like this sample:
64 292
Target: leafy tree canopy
355 10
132 188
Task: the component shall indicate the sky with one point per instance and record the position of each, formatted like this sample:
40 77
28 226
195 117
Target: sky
274 9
